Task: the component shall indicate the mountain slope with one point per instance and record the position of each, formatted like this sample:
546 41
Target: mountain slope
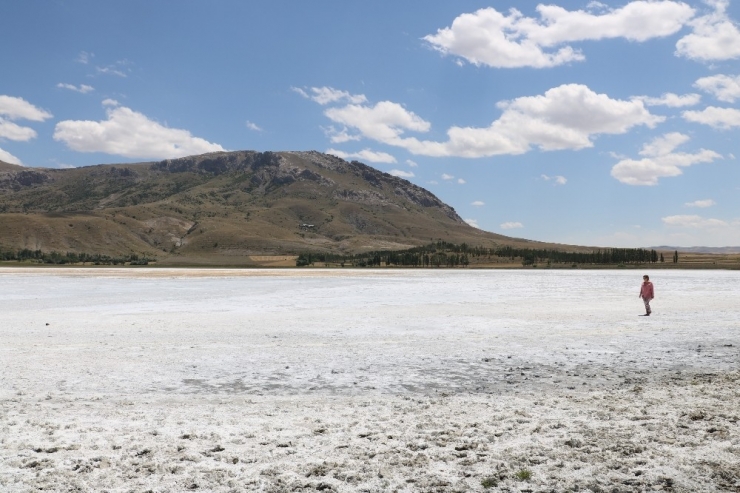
227 204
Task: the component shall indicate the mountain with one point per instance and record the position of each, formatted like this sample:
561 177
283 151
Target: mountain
9 167
700 249
225 206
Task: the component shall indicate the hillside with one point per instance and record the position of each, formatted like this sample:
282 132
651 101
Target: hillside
701 249
9 167
221 207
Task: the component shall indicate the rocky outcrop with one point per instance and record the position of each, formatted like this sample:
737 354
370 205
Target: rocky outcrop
16 180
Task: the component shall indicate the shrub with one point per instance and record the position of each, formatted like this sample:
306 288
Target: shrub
489 482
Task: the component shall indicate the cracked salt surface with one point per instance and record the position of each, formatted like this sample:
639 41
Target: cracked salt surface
404 380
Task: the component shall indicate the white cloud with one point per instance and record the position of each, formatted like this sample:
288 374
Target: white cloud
9 158
489 37
693 221
131 134
597 6
715 36
301 92
401 173
411 163
111 70
445 176
472 222
660 161
701 203
616 155
365 154
384 122
82 88
721 118
565 117
671 100
461 181
253 126
13 131
14 108
511 225
84 57
340 136
325 95
433 182
723 87
557 179
110 102
478 203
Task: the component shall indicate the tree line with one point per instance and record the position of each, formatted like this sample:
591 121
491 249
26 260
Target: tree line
58 258
445 254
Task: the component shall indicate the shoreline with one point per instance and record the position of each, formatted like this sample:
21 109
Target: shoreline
241 270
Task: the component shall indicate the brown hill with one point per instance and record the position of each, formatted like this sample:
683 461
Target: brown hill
222 207
9 167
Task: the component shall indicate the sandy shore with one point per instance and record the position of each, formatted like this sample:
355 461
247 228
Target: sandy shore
392 382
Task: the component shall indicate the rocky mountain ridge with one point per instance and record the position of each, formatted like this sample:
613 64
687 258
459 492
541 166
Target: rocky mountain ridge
225 204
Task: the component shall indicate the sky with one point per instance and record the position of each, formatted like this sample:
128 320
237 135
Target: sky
580 122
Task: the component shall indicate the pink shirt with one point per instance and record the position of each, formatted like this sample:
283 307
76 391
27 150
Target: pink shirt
646 291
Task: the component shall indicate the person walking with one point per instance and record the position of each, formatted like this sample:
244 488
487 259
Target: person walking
647 293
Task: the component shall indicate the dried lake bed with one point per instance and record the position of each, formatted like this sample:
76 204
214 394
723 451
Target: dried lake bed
371 380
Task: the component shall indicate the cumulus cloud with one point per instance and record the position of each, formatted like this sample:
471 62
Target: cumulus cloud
660 160
365 155
714 36
401 173
411 163
253 126
721 118
9 158
672 100
82 88
325 95
445 176
723 87
693 221
478 203
461 181
511 225
14 108
385 122
565 117
557 179
508 40
13 131
472 222
701 203
130 134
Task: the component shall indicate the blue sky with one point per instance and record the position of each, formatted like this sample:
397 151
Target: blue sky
612 124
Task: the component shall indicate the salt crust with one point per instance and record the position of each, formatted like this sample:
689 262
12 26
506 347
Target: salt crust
369 382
